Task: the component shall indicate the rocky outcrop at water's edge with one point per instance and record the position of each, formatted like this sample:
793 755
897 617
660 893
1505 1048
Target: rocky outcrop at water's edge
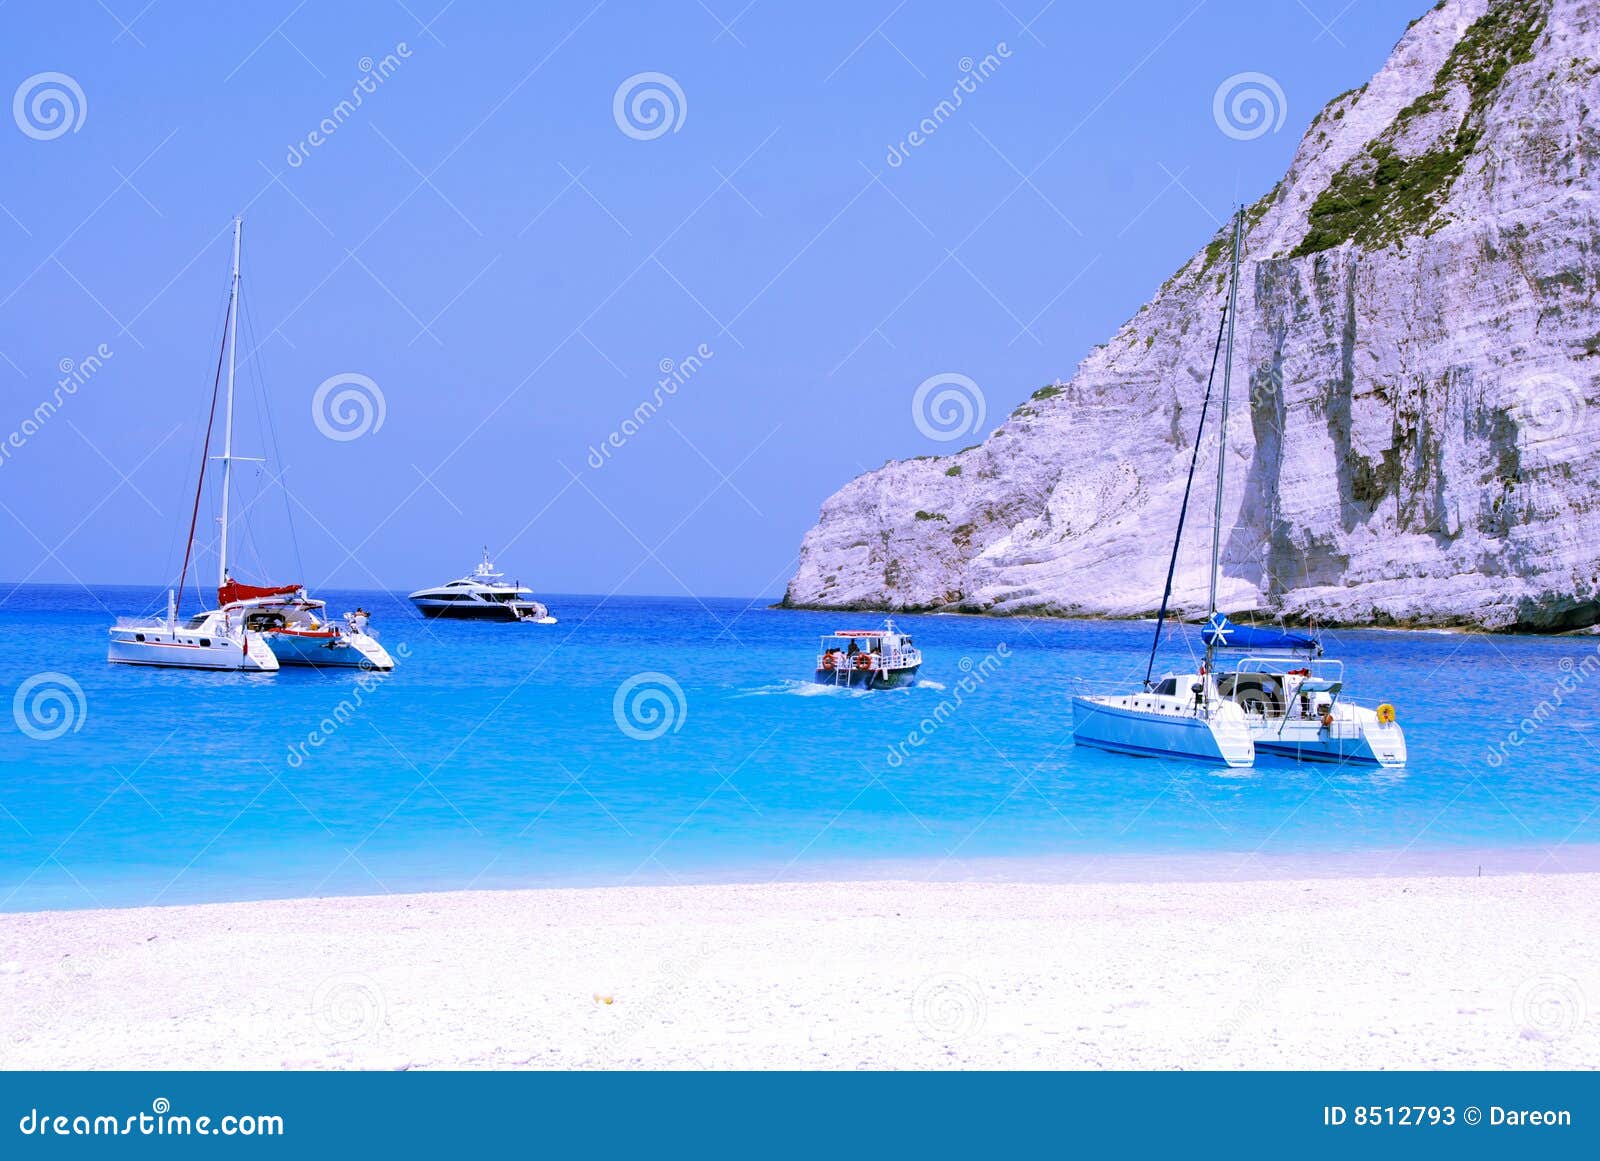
1416 408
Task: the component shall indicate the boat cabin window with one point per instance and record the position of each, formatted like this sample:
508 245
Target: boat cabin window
205 642
196 621
1168 686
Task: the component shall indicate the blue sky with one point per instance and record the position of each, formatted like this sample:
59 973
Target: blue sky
508 264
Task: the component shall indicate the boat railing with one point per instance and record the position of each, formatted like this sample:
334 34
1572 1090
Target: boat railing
1323 669
893 659
141 622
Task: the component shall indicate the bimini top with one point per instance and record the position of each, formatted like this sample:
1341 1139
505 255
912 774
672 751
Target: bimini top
860 633
1226 635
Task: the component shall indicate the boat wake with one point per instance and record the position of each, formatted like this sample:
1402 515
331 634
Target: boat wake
793 688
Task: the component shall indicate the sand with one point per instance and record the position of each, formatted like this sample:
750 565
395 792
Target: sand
1417 972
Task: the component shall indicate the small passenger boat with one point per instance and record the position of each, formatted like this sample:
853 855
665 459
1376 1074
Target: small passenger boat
868 658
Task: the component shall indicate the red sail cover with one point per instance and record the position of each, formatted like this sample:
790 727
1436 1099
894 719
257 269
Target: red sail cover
234 591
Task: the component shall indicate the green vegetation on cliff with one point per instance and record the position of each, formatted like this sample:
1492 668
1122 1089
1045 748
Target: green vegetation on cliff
1381 195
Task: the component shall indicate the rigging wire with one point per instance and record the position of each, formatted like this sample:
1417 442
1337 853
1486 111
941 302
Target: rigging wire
1188 487
194 514
264 405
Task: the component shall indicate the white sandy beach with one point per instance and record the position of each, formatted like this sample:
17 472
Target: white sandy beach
1494 972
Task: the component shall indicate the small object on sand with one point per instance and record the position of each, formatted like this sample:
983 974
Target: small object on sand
603 997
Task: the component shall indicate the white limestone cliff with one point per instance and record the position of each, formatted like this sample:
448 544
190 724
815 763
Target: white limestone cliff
1416 405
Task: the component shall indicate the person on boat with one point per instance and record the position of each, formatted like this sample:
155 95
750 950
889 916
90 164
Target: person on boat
854 648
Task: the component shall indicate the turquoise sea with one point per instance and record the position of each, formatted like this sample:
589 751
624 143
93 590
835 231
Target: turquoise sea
501 755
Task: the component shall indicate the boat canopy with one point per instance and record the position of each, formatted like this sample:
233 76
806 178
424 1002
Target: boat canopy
234 591
1224 634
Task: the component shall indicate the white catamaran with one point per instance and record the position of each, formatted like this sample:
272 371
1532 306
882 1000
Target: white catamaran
1293 697
254 627
1257 689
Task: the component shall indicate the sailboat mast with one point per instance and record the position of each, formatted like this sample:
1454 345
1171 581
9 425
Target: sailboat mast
228 427
1222 422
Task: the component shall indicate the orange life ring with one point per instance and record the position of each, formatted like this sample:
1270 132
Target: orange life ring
863 661
1327 721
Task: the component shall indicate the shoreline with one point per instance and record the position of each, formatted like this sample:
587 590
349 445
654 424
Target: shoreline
1454 628
1398 972
1243 616
1171 868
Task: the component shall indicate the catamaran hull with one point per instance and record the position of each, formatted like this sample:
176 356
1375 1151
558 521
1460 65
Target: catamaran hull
189 651
345 651
1161 735
1371 744
868 678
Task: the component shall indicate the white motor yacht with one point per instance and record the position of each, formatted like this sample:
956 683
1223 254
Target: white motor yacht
484 594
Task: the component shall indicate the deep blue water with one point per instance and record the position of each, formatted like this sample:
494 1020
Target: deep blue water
492 757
